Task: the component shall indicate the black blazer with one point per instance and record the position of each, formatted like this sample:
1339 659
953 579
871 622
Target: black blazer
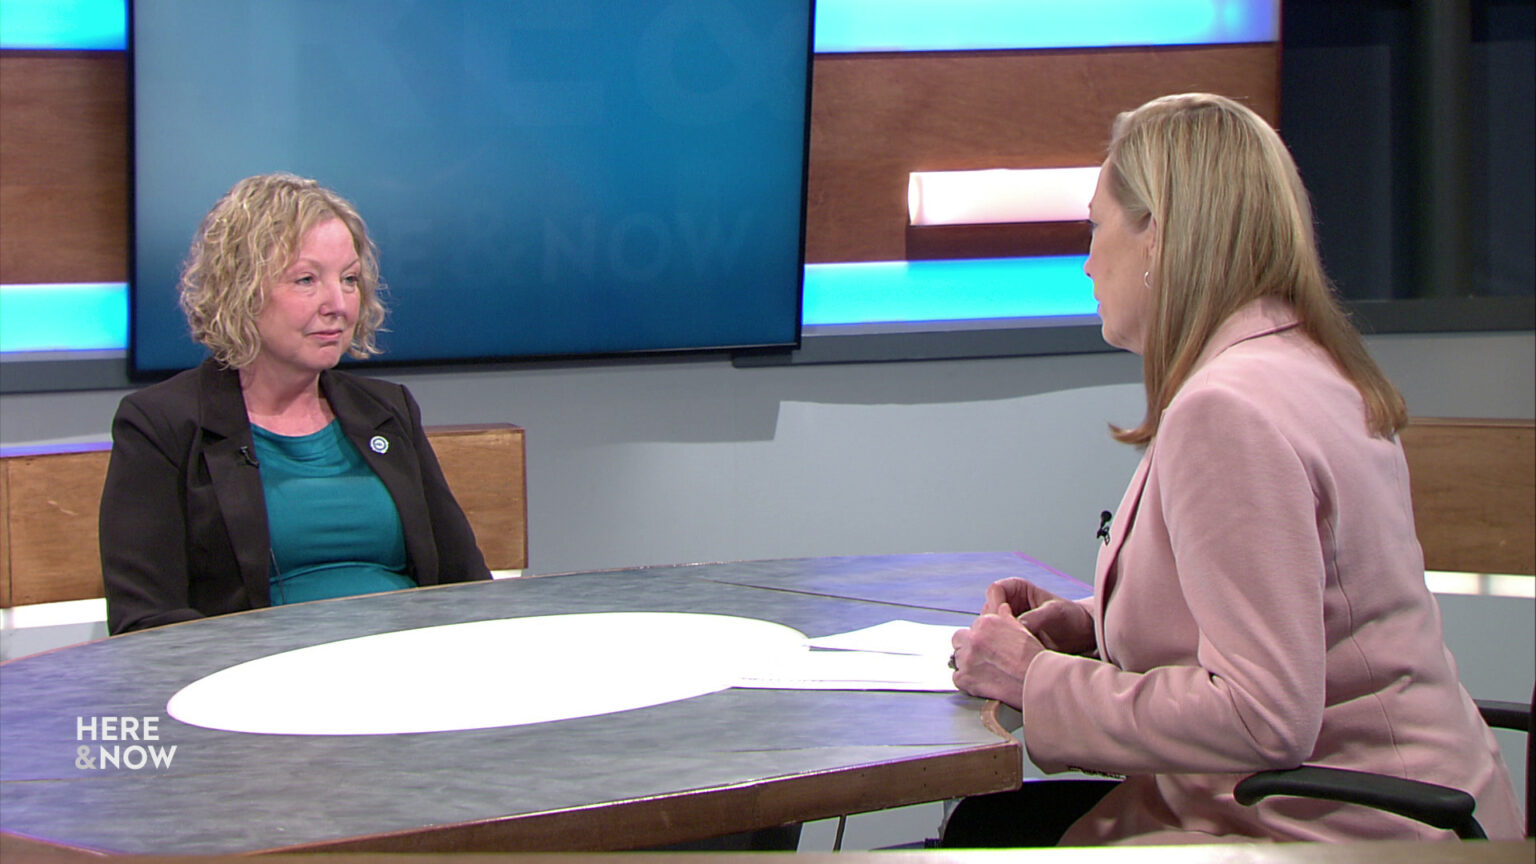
183 520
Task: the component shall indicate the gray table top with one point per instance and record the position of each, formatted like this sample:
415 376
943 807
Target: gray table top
728 761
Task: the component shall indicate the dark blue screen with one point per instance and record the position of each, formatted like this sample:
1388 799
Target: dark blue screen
542 177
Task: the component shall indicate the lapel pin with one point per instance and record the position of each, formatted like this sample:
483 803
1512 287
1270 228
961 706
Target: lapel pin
379 444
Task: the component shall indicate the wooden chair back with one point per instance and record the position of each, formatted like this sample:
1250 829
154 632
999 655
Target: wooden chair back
1474 493
49 501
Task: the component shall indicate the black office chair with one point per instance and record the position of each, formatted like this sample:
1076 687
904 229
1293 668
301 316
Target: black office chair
1440 806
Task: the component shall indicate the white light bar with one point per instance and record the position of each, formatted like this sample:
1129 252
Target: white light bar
54 614
998 195
1480 584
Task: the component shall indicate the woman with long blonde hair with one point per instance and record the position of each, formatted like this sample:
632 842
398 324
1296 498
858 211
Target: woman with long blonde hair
1259 600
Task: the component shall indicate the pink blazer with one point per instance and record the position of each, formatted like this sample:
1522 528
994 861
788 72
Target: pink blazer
1260 603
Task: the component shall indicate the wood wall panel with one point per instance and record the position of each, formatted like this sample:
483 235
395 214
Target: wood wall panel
875 118
878 117
1010 240
63 166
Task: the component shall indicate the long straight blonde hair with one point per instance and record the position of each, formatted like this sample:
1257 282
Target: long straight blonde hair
1234 224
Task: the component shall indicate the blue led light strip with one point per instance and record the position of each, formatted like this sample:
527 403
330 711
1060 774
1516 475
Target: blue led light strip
71 317
842 26
892 291
94 317
91 25
848 26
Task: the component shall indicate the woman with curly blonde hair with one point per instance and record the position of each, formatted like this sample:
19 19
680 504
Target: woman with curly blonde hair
256 225
265 476
1259 598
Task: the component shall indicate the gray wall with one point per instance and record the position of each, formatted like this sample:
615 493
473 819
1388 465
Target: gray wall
683 461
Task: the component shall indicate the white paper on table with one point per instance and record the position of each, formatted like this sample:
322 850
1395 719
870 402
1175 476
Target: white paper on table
849 670
895 655
894 637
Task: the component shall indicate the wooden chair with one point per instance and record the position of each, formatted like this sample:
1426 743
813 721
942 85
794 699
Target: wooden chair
1474 493
49 501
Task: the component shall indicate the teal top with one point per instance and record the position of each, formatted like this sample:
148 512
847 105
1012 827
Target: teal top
334 528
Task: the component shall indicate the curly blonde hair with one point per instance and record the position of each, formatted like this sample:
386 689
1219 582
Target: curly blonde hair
1234 224
247 238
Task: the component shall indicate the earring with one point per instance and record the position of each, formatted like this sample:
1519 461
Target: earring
1146 279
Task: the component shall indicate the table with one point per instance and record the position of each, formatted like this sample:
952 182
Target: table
1360 852
730 761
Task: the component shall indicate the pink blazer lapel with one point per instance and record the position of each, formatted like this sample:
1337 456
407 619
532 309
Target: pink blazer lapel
1105 572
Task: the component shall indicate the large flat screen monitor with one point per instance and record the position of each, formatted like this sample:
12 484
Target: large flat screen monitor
544 178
